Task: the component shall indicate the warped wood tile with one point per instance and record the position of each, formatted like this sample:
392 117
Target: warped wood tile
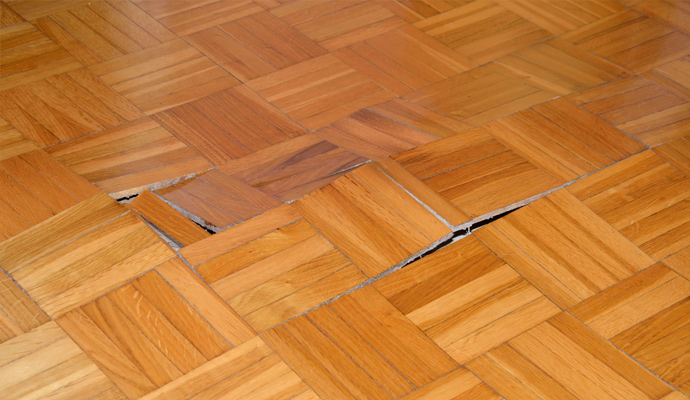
338 25
167 219
319 91
475 172
359 346
34 187
420 118
639 107
559 17
153 330
562 139
483 30
65 107
372 135
18 312
563 359
466 299
46 363
404 60
250 370
632 40
675 76
479 95
28 56
563 248
255 45
644 198
130 158
184 18
371 219
164 76
559 67
272 267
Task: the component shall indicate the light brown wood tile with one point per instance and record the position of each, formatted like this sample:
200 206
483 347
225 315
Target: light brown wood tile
675 76
457 384
421 118
475 172
679 262
164 76
130 158
359 346
466 299
372 220
672 13
563 248
18 312
644 198
46 363
8 16
319 91
12 142
563 359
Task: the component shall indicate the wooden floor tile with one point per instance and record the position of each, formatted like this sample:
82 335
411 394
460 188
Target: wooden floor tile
475 172
35 187
680 262
46 363
371 219
167 219
18 312
359 346
255 45
155 329
429 8
338 25
28 56
275 266
372 135
672 13
479 95
483 30
459 384
420 118
645 199
12 142
466 299
65 107
184 18
559 67
8 16
563 359
675 76
404 60
250 370
560 138
646 110
319 91
130 158
563 248
163 76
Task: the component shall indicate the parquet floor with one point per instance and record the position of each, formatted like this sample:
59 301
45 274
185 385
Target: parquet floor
345 199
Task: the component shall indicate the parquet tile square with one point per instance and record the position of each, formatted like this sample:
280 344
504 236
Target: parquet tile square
371 219
255 45
404 60
645 199
429 8
18 312
559 67
420 118
46 363
673 13
562 359
130 158
483 30
372 135
639 107
562 139
12 142
338 25
272 267
631 40
33 188
65 107
163 76
479 95
466 299
646 316
675 76
475 172
8 16
680 262
563 248
319 91
28 56
155 329
360 346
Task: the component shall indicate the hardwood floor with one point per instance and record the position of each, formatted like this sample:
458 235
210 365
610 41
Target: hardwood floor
347 199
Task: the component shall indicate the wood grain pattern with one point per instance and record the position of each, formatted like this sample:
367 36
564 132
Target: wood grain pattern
18 312
420 118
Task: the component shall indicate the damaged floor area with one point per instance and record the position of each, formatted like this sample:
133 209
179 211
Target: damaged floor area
361 199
